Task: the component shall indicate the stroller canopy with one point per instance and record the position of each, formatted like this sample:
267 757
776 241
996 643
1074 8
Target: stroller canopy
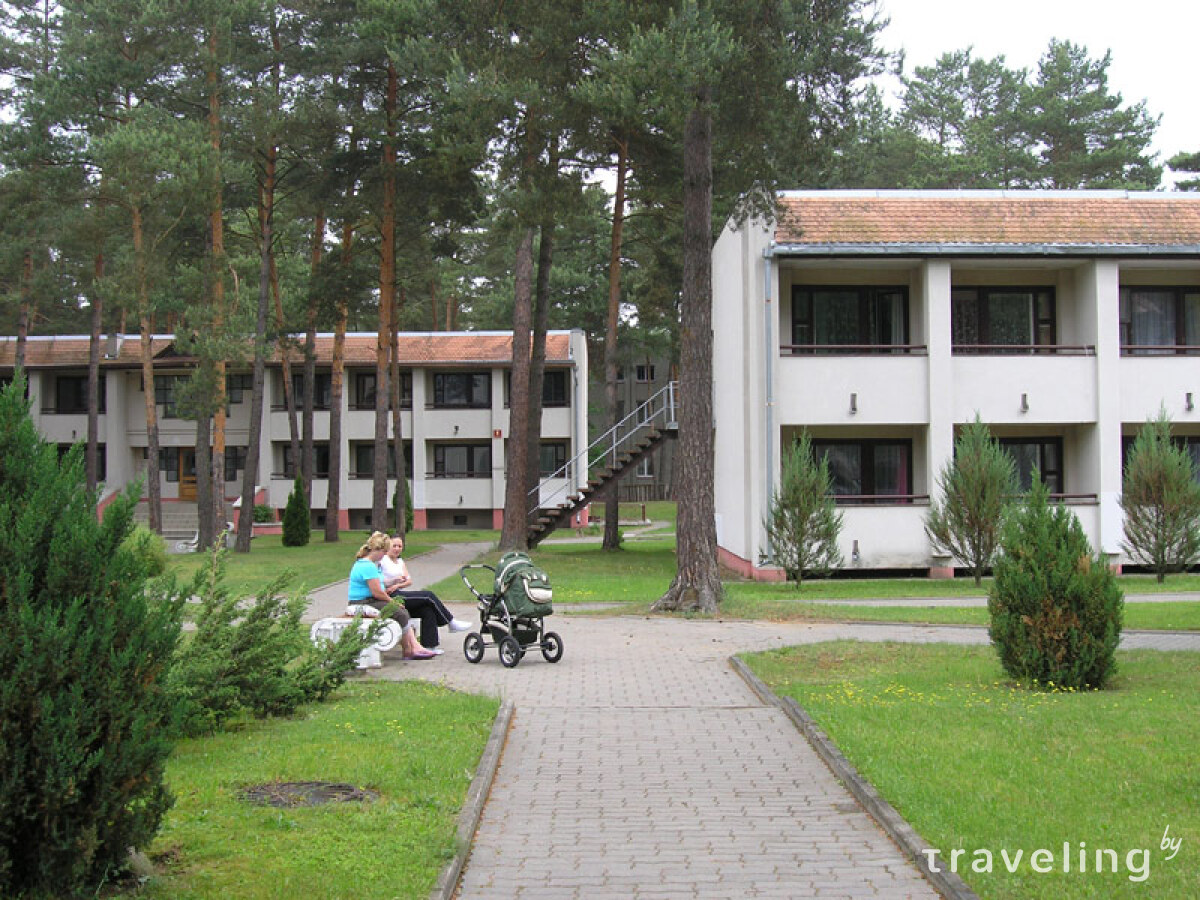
524 587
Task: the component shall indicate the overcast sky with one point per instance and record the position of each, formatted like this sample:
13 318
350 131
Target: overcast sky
1153 44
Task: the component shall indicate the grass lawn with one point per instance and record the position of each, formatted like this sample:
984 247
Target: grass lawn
783 603
974 762
415 744
313 565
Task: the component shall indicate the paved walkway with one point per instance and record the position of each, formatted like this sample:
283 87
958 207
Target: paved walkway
641 766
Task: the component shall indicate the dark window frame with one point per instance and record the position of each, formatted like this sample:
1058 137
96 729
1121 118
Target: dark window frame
77 404
870 494
320 460
1054 479
322 392
476 394
559 450
1042 310
362 455
804 337
476 452
1130 346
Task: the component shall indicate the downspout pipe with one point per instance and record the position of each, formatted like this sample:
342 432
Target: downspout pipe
769 315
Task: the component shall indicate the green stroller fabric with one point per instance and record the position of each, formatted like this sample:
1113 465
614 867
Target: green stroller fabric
524 587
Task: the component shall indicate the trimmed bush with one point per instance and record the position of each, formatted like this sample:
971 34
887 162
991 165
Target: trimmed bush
149 547
85 647
802 521
1161 500
1055 609
408 507
254 657
297 521
264 513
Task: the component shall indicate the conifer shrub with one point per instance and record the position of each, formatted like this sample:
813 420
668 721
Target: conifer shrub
802 521
254 657
297 521
86 648
151 548
1055 608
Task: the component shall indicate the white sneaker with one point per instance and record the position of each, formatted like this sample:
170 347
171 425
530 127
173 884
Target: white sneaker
436 651
460 625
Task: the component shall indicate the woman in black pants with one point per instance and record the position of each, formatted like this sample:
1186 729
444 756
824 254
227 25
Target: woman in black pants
423 605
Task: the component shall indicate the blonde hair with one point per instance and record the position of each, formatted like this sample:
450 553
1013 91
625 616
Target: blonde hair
377 541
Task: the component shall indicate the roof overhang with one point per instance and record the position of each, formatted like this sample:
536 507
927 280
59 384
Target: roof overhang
928 250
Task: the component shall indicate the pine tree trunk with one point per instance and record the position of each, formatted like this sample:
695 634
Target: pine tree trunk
216 473
387 289
25 307
245 524
310 361
145 325
334 493
401 494
537 362
93 391
514 535
612 502
697 584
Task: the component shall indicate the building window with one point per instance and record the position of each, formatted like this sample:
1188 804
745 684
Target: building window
1160 320
554 388
71 395
645 468
1191 444
868 471
236 386
1044 455
322 392
320 460
364 460
645 374
462 461
1002 320
235 463
169 462
166 393
364 391
462 390
849 319
552 458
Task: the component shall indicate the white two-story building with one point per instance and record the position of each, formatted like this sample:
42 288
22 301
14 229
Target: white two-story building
882 321
455 417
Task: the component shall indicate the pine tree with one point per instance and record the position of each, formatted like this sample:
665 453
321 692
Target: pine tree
86 651
976 486
297 523
1055 608
802 520
1161 500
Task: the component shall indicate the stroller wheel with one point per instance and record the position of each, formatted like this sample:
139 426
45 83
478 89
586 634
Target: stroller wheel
552 647
473 647
510 651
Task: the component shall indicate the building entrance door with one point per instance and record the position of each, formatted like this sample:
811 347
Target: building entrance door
187 473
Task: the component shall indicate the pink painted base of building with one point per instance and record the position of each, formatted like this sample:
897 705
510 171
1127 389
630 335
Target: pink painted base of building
747 569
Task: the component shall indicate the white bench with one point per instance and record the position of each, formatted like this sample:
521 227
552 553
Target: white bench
331 628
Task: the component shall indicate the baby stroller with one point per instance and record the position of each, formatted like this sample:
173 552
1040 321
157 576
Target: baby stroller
513 614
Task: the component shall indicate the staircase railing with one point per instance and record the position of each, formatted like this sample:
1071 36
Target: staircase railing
660 411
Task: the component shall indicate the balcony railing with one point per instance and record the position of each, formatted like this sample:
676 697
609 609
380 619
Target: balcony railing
1159 350
881 499
444 475
1023 350
853 349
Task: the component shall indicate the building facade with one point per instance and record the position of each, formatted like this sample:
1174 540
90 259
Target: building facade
883 321
454 399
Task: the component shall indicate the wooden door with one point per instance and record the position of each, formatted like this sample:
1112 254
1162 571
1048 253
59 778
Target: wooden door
187 473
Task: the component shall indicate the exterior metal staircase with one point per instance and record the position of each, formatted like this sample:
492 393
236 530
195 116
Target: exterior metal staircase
608 458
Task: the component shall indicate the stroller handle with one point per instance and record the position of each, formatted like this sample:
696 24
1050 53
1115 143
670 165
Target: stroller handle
462 573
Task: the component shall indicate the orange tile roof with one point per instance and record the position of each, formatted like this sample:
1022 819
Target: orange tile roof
1087 218
438 349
